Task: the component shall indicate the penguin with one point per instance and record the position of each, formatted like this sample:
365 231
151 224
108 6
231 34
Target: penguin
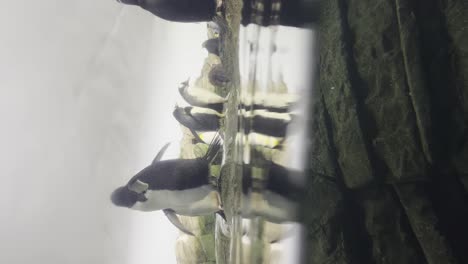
212 46
218 76
256 139
274 127
197 118
178 10
269 108
267 123
200 97
272 102
272 232
176 186
275 197
292 13
207 136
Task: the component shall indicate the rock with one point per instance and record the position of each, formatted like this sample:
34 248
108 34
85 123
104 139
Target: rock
396 109
340 100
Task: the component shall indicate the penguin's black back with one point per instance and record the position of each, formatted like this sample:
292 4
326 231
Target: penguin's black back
268 126
278 180
218 107
208 122
181 10
176 174
192 100
197 121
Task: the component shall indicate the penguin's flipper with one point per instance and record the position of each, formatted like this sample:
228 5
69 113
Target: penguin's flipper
161 153
172 216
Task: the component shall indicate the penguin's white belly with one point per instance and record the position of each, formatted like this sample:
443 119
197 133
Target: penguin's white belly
195 201
205 96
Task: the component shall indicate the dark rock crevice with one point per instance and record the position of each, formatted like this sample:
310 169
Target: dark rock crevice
352 220
445 107
360 91
447 192
340 101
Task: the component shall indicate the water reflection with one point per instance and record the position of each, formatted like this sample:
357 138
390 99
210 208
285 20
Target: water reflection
272 122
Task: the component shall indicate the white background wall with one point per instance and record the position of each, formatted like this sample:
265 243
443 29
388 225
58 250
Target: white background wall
86 94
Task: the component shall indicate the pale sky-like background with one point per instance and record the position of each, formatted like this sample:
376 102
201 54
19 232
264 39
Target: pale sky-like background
86 94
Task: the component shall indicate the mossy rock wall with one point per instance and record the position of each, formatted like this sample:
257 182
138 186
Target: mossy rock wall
388 182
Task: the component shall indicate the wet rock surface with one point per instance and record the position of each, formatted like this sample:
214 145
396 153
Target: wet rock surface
389 160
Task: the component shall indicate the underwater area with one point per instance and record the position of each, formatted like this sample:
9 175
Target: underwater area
261 205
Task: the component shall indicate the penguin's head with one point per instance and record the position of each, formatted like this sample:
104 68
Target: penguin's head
218 75
178 112
129 195
212 45
123 197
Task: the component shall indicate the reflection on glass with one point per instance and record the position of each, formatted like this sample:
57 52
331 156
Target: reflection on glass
251 97
275 87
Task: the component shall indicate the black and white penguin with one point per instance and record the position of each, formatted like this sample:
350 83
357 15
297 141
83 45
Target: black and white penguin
178 10
272 102
269 108
267 123
200 97
295 13
197 118
212 46
276 197
269 126
218 75
292 13
176 186
257 139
